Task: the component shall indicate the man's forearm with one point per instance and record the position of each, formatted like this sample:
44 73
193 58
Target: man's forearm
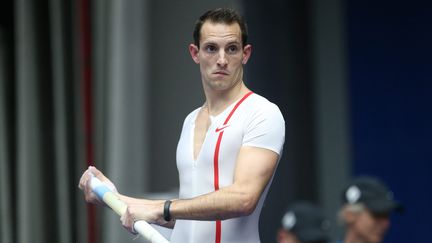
229 202
222 204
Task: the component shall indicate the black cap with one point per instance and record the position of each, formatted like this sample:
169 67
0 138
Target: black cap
306 222
373 193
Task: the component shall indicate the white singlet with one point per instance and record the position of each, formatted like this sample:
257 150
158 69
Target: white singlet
251 121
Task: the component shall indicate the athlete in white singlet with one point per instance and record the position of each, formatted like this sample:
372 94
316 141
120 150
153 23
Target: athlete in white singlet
256 122
228 150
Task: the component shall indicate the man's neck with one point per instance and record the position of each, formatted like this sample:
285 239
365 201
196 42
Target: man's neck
218 101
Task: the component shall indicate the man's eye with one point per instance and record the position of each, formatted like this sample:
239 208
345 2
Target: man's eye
210 48
232 49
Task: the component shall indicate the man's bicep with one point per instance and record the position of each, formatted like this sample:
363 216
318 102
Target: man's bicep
254 169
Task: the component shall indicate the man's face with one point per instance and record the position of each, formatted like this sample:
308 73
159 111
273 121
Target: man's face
370 227
220 55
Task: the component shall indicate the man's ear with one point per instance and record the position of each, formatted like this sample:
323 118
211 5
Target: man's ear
247 51
194 50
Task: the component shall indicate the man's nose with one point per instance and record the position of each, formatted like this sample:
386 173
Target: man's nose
222 59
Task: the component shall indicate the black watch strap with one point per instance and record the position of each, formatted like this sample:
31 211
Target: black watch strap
166 211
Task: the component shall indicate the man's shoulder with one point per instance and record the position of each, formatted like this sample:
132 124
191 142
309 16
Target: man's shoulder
260 100
193 112
191 115
260 104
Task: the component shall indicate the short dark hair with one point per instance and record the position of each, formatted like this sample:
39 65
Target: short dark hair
221 15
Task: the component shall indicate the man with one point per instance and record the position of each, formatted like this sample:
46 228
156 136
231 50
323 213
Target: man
367 204
228 150
303 223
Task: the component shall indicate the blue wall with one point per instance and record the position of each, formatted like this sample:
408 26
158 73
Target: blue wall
390 65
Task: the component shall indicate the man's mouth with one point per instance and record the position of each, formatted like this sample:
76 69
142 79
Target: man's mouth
221 73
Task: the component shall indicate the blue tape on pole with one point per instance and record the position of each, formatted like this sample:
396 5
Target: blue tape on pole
100 191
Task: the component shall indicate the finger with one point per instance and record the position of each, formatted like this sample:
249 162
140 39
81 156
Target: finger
97 173
83 180
90 196
87 191
127 221
130 231
124 222
122 219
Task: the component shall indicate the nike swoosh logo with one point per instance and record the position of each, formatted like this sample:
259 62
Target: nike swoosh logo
218 129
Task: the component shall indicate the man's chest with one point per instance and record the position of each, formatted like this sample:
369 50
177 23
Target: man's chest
220 139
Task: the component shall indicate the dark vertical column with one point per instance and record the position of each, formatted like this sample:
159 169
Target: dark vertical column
280 70
333 148
8 123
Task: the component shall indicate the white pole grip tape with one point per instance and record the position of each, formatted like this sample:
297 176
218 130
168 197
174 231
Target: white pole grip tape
141 226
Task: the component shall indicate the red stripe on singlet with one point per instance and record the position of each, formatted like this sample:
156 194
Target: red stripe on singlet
216 163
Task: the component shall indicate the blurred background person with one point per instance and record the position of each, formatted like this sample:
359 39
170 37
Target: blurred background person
303 222
366 209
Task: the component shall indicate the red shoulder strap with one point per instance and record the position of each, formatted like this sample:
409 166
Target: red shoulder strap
216 162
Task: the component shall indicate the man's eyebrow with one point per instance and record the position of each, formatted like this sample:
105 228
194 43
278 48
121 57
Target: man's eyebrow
209 43
233 43
216 44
